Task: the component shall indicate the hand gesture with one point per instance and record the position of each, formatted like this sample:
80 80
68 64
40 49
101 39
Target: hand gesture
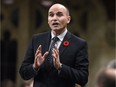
56 59
39 59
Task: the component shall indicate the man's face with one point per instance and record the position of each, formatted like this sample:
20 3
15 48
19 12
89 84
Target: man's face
58 17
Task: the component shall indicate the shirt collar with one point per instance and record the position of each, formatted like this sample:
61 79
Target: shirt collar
61 36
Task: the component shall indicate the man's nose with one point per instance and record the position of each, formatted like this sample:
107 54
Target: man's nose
55 18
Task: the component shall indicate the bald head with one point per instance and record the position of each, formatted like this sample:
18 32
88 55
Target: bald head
60 6
106 78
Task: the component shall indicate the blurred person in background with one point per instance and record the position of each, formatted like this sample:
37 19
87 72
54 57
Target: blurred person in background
107 76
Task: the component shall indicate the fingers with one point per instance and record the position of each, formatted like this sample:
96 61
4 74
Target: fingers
37 57
38 50
56 59
55 52
45 54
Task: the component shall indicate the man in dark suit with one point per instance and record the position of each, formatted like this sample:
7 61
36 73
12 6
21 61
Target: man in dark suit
69 55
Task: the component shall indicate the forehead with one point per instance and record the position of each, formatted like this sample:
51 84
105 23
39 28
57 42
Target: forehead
57 8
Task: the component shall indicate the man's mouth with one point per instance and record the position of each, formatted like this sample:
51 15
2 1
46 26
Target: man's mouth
55 24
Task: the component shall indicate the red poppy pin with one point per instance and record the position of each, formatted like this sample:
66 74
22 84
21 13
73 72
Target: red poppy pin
66 43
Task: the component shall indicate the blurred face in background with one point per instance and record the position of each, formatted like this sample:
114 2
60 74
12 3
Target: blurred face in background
106 78
58 18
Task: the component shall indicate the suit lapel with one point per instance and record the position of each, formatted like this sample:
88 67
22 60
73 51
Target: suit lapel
66 38
46 43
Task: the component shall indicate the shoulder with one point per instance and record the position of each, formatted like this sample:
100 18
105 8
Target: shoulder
77 39
77 42
41 35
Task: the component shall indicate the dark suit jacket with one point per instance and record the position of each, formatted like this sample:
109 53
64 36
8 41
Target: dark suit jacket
74 58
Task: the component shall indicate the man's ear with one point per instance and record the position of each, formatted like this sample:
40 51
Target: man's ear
69 18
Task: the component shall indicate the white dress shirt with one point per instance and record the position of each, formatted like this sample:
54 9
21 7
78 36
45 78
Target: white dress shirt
61 37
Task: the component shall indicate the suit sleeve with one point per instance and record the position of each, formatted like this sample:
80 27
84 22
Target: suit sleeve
79 73
26 70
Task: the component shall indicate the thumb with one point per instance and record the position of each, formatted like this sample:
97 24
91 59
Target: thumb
45 54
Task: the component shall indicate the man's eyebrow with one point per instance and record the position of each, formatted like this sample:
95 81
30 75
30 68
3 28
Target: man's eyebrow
50 12
53 12
59 12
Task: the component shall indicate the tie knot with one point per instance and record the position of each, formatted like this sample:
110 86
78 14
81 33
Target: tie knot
55 39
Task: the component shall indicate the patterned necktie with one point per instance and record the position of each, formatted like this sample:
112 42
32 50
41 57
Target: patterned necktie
49 60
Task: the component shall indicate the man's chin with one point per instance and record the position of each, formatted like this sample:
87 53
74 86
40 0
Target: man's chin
55 29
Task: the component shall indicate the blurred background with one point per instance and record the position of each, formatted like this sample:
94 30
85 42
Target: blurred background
92 20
